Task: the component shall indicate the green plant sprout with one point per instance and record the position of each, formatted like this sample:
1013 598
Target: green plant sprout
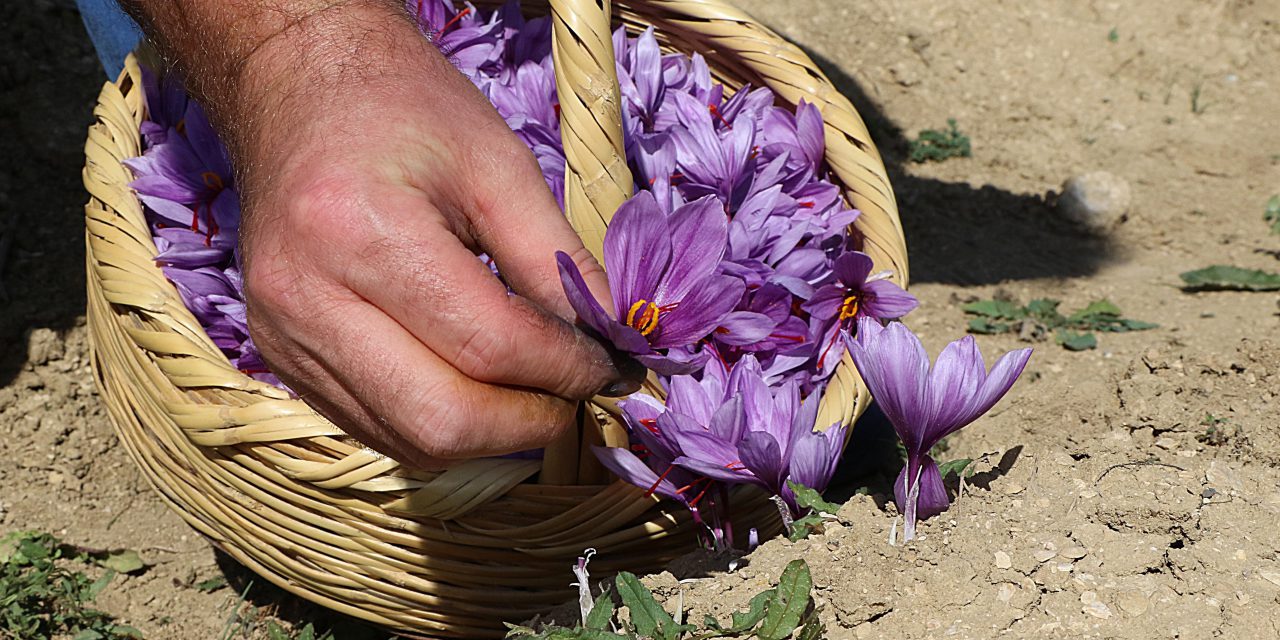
42 597
1037 318
785 611
1272 213
935 146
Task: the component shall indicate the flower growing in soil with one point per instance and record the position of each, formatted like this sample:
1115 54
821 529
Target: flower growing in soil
664 277
927 404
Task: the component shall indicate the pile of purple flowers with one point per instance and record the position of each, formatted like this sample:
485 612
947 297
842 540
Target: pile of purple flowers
734 272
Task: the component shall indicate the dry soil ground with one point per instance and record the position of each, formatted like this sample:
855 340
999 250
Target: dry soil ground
1103 506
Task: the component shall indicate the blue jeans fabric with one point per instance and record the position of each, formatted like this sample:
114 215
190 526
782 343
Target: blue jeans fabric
114 34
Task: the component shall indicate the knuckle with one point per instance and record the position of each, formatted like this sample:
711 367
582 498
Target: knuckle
438 418
482 352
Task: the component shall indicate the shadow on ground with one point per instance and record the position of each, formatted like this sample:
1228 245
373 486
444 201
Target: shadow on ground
965 235
50 78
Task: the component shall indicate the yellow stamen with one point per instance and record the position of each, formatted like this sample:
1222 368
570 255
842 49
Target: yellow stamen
212 180
849 308
643 317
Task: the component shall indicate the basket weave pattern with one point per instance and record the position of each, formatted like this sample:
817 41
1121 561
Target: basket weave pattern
445 554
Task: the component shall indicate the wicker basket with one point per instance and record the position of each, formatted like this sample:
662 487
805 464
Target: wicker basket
439 554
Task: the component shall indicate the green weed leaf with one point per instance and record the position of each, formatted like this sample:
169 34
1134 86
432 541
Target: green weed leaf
811 499
935 146
1072 341
1272 213
788 604
212 584
1228 278
955 466
122 561
648 618
601 613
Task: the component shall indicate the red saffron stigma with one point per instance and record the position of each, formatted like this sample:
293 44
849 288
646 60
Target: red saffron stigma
660 479
652 425
805 205
715 111
213 229
827 350
195 218
461 14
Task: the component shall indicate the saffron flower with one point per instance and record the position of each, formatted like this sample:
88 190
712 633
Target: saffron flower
769 441
858 293
927 404
664 277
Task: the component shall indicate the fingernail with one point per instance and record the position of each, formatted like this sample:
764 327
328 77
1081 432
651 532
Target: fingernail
620 388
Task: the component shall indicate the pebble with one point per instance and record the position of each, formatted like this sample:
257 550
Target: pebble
1095 201
1075 553
1096 608
1003 561
1044 555
1133 603
1270 576
1222 475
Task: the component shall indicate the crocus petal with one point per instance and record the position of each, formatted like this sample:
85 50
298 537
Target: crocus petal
895 367
953 380
735 474
666 365
825 302
741 328
886 300
809 132
933 497
629 468
998 382
590 311
852 269
814 457
762 455
699 231
637 250
699 313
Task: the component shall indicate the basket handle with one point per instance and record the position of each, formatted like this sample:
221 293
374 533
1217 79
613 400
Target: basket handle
597 180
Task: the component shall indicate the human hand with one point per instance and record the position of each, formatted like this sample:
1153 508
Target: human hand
371 173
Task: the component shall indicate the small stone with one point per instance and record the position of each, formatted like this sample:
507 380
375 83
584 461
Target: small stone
1270 576
1095 201
1075 553
1098 609
1005 592
1133 603
1208 493
1003 561
1222 475
1166 443
1013 488
1044 555
1088 597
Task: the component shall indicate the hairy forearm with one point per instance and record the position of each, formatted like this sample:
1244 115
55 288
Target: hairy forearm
268 65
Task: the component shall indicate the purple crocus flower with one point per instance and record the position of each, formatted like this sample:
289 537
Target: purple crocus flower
464 37
857 293
664 278
927 404
762 436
